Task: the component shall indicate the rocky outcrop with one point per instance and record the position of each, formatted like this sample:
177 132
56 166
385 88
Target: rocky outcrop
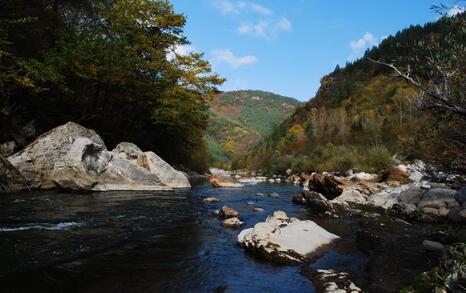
75 158
285 240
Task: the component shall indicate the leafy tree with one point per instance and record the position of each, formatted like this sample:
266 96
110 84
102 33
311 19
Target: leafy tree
109 65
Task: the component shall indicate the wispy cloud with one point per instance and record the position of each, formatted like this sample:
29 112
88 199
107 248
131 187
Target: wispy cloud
358 47
226 56
265 29
236 7
456 10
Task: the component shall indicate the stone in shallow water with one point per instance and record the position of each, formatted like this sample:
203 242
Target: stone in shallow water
211 199
228 212
232 223
284 240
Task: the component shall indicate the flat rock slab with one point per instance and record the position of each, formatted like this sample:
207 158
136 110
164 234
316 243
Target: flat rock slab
286 240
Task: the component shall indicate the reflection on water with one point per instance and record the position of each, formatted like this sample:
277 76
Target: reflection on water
147 242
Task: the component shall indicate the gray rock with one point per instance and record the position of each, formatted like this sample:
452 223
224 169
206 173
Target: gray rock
437 198
76 158
384 199
412 195
431 211
127 150
460 195
457 215
432 245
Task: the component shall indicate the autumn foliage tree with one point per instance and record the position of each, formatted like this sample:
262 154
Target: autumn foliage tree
110 65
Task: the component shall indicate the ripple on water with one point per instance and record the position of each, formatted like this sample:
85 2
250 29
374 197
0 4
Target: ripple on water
42 226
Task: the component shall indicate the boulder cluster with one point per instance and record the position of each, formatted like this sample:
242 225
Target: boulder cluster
404 191
73 157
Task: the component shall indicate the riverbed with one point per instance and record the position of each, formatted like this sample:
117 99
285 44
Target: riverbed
152 242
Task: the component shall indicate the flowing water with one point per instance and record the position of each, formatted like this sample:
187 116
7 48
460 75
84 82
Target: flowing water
150 242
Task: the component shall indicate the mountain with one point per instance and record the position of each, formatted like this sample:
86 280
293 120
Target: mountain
240 119
363 114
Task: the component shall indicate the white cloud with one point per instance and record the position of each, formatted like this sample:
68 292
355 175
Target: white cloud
226 56
255 7
456 10
265 29
358 47
236 7
179 50
367 40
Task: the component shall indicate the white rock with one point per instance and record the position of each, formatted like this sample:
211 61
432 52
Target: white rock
285 240
403 168
364 176
76 158
166 173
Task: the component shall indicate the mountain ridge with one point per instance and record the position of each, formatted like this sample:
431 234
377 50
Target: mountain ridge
240 119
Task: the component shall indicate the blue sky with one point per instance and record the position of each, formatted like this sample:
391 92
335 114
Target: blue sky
286 46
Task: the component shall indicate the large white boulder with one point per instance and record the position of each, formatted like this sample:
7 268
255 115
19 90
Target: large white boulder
76 158
285 240
166 173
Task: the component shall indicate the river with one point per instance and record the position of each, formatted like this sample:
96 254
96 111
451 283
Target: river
151 242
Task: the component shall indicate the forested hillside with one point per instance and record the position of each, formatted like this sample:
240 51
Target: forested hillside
364 113
240 119
108 65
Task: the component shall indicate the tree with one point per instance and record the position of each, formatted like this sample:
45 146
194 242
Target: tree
109 65
439 74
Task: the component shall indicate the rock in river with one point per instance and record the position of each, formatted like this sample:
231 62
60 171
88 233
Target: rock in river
228 212
75 158
285 240
223 181
211 199
232 223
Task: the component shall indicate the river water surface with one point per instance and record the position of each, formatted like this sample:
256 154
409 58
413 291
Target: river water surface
151 242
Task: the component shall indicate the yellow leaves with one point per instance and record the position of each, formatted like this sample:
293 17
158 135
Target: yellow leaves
296 130
228 146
